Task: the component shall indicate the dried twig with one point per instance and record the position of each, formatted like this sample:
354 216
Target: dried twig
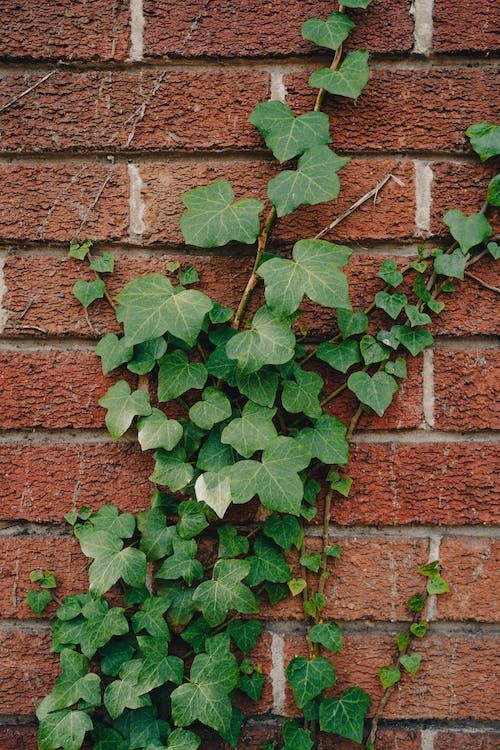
27 91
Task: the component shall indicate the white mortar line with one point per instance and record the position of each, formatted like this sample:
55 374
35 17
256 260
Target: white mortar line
434 551
136 204
428 388
424 27
278 673
3 289
278 88
423 198
136 30
427 736
423 437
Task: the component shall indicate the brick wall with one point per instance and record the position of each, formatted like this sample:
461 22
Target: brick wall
129 105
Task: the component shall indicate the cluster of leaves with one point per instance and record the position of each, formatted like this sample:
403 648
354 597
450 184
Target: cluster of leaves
161 642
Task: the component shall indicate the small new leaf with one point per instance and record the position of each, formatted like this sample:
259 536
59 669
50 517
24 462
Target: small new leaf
330 33
349 80
87 292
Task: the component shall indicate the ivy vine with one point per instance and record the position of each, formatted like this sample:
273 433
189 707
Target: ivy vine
160 646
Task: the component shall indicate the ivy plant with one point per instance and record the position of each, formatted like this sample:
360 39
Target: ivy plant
236 410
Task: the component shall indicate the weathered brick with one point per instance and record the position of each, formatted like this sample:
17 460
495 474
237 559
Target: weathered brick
80 30
472 566
396 107
52 201
460 27
18 738
393 217
461 186
41 482
461 739
456 679
387 739
466 389
142 111
27 669
249 28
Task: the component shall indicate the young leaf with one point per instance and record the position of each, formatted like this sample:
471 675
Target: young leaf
212 218
122 406
87 292
189 276
330 33
413 339
253 685
419 629
311 561
372 351
484 139
78 251
113 352
340 356
309 677
225 592
376 392
288 136
349 80
468 231
411 662
38 600
389 676
345 716
104 263
328 634
392 304
296 586
390 274
214 490
493 194
396 367
415 317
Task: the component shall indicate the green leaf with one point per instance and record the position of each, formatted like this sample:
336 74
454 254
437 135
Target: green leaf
326 440
124 693
183 563
214 407
311 561
301 395
451 264
38 600
225 592
389 676
402 641
214 455
468 231
372 351
213 219
245 633
253 685
330 33
419 629
484 139
192 520
146 355
150 616
411 662
437 585
390 274
340 356
295 737
278 484
104 263
156 431
288 136
415 340
156 535
267 564
357 3
73 684
122 406
189 276
286 531
345 716
376 392
150 306
177 375
328 634
297 585
112 352
314 271
231 544
392 304
220 314
349 80
64 729
342 485
351 323
260 387
251 432
171 469
159 669
415 603
270 341
334 551
214 490
182 739
78 251
314 181
105 571
142 727
396 367
108 518
415 317
101 627
309 677
493 194
87 292
494 249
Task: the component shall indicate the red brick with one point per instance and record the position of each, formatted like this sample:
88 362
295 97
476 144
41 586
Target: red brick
27 669
461 186
18 738
465 389
424 483
19 555
460 27
395 109
247 28
140 111
387 739
54 201
456 680
392 218
42 482
80 30
472 567
461 739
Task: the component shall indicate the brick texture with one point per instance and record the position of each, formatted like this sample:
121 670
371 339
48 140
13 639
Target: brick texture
457 28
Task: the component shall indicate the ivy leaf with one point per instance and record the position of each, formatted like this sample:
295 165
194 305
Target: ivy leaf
493 194
260 387
122 406
157 668
295 737
146 355
392 304
328 634
150 306
214 490
494 249
177 375
340 356
141 727
225 592
112 352
351 323
288 136
451 264
78 251
468 231
214 407
105 571
376 392
156 536
278 483
326 440
171 469
87 292
182 739
108 518
213 219
251 432
372 351
73 684
330 33
156 431
231 544
253 685
311 561
189 276
245 633
64 729
124 693
101 627
150 616
182 564
411 662
389 676
215 455
415 340
104 263
415 317
270 341
286 531
396 367
484 139
349 80
192 520
314 181
267 564
419 629
345 716
309 677
38 600
301 395
390 274
314 271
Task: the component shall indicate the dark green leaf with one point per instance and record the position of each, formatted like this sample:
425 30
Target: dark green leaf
330 33
87 292
288 136
309 677
349 80
345 716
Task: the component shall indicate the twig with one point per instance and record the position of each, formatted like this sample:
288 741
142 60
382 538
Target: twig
93 204
27 91
482 283
334 65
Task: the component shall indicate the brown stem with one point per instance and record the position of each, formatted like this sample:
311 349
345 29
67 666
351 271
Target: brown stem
482 283
334 65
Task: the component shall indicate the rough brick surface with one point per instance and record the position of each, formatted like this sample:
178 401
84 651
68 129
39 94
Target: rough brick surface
79 30
458 27
461 186
466 389
394 112
27 669
133 111
460 740
242 28
18 738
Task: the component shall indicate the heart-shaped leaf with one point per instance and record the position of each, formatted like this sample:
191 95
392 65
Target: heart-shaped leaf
330 33
376 392
288 136
349 80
